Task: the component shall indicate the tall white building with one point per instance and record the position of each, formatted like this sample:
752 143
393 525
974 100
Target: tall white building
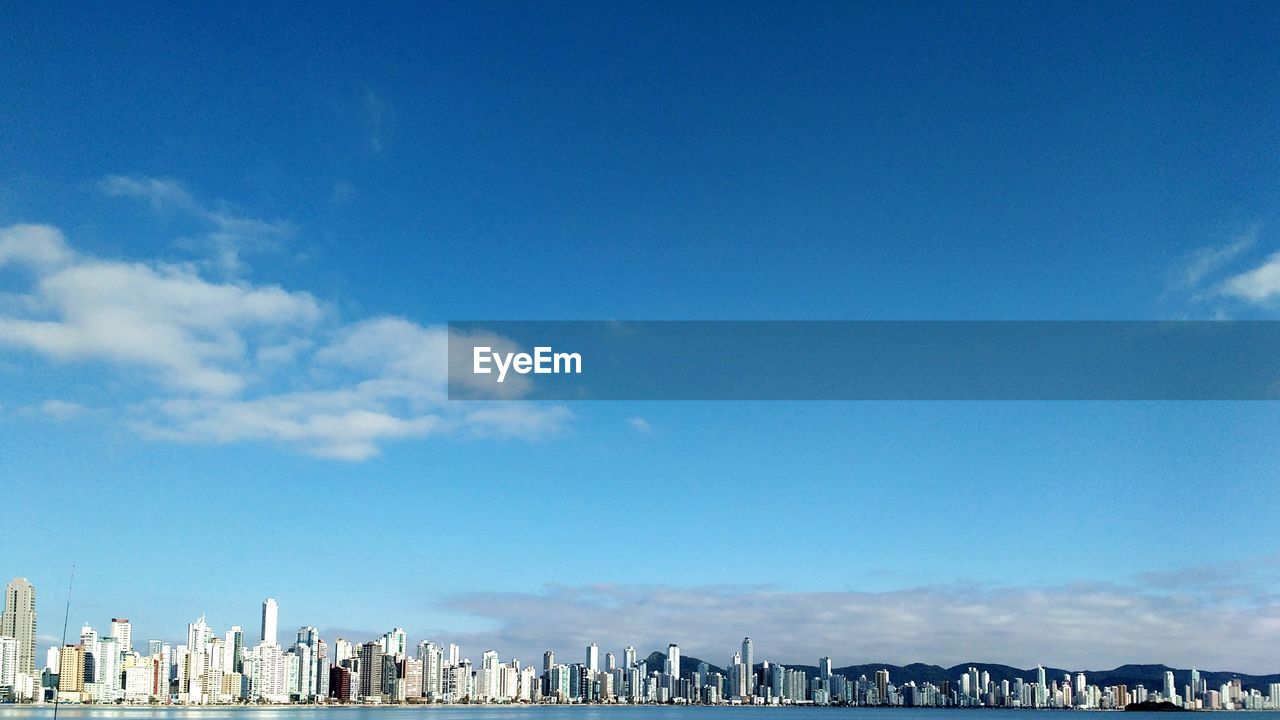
8 661
122 631
92 653
270 621
487 678
269 680
593 658
673 660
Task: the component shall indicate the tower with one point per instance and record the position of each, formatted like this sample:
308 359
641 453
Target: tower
19 621
270 621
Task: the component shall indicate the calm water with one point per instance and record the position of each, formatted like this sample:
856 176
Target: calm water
552 712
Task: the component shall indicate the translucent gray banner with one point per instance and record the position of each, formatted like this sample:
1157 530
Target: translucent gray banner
864 360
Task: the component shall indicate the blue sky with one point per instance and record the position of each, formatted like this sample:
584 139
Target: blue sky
231 236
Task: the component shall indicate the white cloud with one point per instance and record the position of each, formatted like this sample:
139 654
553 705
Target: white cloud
38 246
163 317
346 424
1078 626
1258 285
63 410
639 424
231 361
391 346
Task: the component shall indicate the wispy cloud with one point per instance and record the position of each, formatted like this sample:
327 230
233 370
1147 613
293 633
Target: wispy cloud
1207 261
226 361
1078 626
639 424
63 410
379 119
229 234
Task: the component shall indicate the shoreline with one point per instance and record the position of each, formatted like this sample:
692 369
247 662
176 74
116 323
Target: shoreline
47 708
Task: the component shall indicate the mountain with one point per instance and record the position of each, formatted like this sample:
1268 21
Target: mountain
658 661
1150 676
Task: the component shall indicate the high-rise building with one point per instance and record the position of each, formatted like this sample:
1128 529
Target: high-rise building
673 660
371 654
71 669
92 650
396 643
270 621
235 643
629 657
122 631
8 661
18 621
593 658
748 659
308 636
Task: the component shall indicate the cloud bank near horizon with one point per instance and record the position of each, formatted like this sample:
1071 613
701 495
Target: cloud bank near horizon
1193 619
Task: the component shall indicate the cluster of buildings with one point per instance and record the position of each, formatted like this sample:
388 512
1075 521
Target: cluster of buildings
222 668
977 689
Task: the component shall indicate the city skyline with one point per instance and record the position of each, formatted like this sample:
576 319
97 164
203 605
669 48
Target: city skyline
210 669
268 619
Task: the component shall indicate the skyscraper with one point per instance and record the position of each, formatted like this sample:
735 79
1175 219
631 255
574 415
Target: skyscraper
92 653
122 631
748 659
235 641
19 622
593 658
270 620
673 660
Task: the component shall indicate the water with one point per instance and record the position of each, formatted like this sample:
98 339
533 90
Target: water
549 712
